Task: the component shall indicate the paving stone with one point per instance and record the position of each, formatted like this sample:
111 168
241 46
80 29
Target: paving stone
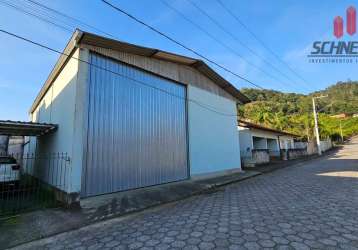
284 247
280 240
299 246
95 246
293 238
178 243
235 247
222 243
339 239
162 246
264 236
328 242
293 208
135 245
284 225
314 244
350 236
196 234
206 245
208 238
252 245
190 247
182 236
249 231
152 242
112 243
306 236
266 243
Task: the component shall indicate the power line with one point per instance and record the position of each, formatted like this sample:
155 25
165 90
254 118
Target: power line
43 13
206 32
76 20
10 5
233 36
180 44
208 107
42 19
85 24
231 13
36 4
70 17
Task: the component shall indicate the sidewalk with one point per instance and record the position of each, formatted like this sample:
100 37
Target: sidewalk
48 222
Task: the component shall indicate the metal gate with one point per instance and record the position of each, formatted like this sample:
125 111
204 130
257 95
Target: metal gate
137 129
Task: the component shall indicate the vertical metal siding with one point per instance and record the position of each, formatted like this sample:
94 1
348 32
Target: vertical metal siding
137 135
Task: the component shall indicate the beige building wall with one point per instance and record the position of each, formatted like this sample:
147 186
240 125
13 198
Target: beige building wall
58 107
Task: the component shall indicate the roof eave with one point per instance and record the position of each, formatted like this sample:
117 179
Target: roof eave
245 124
100 41
61 62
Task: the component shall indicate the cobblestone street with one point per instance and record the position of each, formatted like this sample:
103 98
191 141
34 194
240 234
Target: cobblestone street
313 205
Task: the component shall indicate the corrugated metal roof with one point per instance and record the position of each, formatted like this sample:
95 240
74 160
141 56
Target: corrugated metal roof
15 128
100 41
246 124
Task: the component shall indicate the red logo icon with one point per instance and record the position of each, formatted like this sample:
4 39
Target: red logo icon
351 23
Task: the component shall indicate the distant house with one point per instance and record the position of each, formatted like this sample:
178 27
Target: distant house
259 143
4 141
340 116
11 145
16 145
130 116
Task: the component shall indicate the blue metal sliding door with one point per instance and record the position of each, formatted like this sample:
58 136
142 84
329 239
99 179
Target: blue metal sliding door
137 129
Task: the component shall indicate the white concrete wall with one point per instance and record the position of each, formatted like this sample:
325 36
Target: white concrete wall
326 145
213 143
58 107
263 133
287 142
300 144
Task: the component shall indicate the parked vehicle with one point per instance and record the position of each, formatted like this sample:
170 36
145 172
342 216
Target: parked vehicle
9 171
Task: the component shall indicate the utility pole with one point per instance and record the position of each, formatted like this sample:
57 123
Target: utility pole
340 127
316 124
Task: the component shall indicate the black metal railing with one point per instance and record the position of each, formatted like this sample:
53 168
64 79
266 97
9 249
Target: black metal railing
32 181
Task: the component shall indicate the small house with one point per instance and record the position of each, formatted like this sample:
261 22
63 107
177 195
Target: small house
259 144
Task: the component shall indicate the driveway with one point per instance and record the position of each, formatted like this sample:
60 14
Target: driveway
309 205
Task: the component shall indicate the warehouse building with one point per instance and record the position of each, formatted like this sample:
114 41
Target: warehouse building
130 116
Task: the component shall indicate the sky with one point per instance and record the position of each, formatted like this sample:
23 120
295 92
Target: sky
288 28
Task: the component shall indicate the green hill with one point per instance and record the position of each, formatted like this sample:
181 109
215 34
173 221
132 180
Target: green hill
293 112
343 96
